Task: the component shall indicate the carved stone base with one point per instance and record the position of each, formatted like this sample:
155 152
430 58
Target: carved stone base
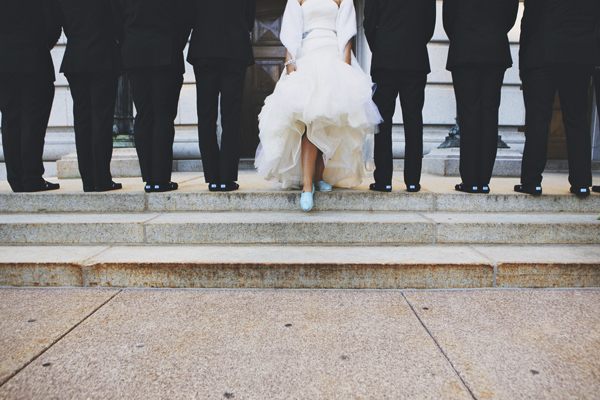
445 162
124 164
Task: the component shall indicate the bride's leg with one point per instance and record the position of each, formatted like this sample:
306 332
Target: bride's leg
309 158
320 167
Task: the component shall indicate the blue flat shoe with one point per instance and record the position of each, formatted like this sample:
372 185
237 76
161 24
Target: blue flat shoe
323 186
306 200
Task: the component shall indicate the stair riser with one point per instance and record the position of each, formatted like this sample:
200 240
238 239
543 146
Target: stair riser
301 276
299 233
289 201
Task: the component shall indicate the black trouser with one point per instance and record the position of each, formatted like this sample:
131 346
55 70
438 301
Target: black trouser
478 91
25 103
227 78
94 96
597 85
156 96
539 89
410 85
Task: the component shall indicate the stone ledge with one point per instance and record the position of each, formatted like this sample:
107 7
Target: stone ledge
297 227
273 200
303 267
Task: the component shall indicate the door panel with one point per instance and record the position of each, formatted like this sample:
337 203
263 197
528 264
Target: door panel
262 77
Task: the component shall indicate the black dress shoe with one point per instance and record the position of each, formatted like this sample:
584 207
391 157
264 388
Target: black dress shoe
413 188
580 192
380 188
113 186
88 189
228 187
461 187
485 189
532 190
213 187
165 187
44 187
596 189
160 187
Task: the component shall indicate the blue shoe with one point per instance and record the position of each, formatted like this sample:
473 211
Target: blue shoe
323 186
306 200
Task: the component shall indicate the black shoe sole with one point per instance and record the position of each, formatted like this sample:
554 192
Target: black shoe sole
528 190
161 187
114 186
378 188
580 192
461 187
46 187
228 187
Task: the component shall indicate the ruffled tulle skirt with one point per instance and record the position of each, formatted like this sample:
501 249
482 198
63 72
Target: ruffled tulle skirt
329 100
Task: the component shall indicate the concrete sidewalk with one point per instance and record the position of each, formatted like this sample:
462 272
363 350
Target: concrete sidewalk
245 344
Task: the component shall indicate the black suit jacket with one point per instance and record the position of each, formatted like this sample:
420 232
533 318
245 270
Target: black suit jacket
152 33
222 30
559 31
478 31
25 38
398 32
91 32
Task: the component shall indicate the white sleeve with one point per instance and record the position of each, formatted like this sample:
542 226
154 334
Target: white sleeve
346 23
291 28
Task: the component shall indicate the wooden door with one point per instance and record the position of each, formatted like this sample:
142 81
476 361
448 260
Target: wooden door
557 140
262 77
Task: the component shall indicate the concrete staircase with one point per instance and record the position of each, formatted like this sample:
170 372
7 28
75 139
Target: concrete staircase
258 238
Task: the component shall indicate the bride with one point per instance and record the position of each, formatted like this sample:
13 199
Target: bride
314 125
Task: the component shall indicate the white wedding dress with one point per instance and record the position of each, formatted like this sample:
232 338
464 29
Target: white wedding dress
326 97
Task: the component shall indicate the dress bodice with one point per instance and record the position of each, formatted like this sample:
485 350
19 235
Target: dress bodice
319 14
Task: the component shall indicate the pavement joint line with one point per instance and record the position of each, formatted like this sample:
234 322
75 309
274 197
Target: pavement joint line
145 202
439 347
145 227
492 261
87 262
432 223
61 337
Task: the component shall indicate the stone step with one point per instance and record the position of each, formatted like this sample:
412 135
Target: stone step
297 227
303 267
271 200
438 195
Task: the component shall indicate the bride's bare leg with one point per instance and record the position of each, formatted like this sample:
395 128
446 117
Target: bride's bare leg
320 167
309 158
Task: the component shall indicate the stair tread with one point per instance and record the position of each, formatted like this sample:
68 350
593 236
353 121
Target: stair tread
289 217
305 254
302 267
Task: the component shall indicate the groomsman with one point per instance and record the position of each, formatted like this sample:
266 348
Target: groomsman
26 91
558 51
220 51
153 34
91 64
478 58
398 32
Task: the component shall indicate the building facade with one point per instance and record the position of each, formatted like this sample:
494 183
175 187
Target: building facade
439 110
